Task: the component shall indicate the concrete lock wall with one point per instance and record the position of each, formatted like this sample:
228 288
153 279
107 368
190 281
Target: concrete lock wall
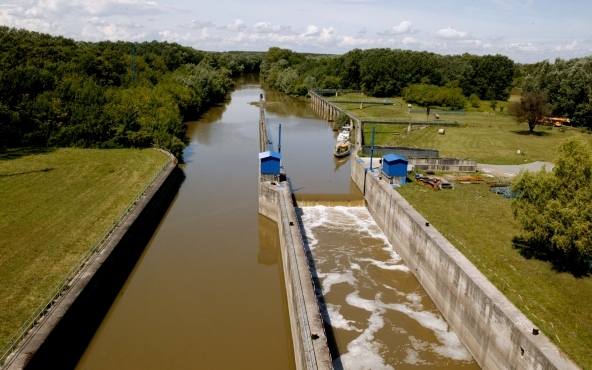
60 339
308 334
444 164
494 331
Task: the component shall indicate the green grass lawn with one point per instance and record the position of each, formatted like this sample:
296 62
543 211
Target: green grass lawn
53 206
480 224
484 135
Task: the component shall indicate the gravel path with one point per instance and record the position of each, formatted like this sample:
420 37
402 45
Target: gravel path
512 170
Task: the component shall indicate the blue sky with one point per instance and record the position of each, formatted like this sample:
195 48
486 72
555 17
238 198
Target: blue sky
526 31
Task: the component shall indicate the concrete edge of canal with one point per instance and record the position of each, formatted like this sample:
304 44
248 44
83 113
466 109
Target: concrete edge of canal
311 350
60 338
494 331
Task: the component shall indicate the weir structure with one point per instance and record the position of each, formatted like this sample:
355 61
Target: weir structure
311 351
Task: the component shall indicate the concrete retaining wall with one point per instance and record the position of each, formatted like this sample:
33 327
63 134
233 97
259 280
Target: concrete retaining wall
62 336
496 333
308 334
444 164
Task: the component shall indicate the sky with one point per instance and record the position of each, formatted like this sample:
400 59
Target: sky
526 31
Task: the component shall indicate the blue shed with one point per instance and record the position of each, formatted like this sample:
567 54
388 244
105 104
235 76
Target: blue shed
270 163
394 165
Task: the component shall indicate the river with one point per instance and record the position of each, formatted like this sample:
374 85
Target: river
207 293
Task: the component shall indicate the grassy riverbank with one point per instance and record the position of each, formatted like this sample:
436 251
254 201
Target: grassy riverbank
53 206
482 134
480 224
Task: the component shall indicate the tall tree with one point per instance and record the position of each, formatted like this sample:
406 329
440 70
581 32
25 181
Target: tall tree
532 108
554 208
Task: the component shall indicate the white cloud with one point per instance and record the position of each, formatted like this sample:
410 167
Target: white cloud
203 37
95 21
197 24
311 31
569 47
495 38
473 43
100 7
452 34
405 27
238 25
265 27
523 47
111 32
129 25
30 19
410 41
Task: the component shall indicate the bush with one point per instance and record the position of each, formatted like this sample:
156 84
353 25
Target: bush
554 208
474 101
341 120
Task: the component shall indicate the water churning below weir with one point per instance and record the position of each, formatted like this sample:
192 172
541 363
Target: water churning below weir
374 308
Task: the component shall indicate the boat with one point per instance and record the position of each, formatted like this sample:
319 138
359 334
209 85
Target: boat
344 134
342 149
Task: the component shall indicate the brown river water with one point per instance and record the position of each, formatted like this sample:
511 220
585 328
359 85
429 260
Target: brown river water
208 292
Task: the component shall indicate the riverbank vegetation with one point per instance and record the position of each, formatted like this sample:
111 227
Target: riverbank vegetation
57 92
54 204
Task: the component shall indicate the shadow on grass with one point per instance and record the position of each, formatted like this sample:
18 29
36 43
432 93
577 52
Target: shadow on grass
560 262
527 132
26 172
14 153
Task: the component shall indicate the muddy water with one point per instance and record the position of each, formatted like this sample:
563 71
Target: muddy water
379 315
207 292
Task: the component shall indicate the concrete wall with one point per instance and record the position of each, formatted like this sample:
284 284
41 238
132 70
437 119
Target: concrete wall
444 164
61 338
496 333
308 334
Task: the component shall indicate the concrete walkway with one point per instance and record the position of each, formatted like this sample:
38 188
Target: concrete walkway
513 170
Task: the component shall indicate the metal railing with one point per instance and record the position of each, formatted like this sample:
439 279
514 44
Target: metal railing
433 122
437 111
54 296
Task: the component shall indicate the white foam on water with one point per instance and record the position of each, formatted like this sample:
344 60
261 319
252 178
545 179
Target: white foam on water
354 299
413 352
363 353
337 320
333 278
451 346
387 265
415 300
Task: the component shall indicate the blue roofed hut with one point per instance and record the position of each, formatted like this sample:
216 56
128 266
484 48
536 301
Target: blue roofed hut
395 167
270 163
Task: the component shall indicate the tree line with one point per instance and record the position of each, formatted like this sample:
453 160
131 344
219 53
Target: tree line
387 72
566 83
55 91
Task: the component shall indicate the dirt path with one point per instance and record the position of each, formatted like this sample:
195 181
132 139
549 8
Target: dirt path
512 170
